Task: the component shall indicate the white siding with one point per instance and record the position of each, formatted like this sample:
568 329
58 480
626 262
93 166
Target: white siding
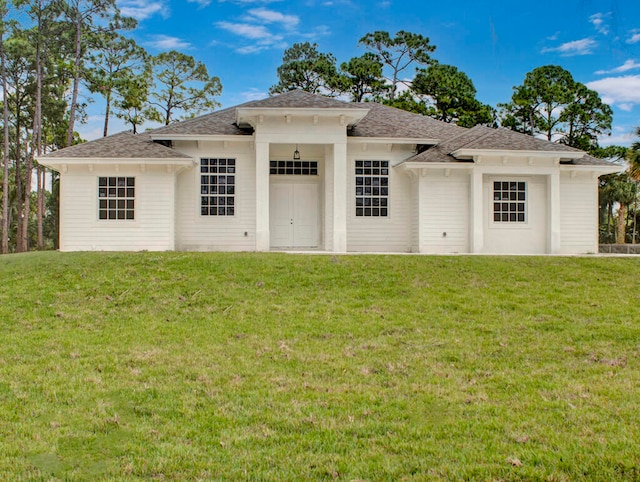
579 213
415 215
195 232
380 234
517 238
152 228
444 212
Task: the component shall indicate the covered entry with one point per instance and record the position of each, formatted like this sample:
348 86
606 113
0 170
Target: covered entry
294 213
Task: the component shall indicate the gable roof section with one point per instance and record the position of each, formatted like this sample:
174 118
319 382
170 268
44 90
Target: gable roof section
385 121
124 145
223 122
482 138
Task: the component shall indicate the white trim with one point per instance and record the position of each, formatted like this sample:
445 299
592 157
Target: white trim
393 140
518 153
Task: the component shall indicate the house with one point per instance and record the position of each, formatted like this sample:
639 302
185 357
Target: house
304 172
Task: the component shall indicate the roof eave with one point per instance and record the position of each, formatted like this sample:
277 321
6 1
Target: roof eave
600 168
392 140
352 115
54 162
203 137
471 153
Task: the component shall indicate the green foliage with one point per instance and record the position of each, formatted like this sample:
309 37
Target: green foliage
304 68
633 156
452 96
551 103
363 77
182 85
399 52
114 66
218 366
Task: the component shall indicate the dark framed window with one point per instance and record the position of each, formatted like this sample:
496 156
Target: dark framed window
217 187
372 188
293 168
116 197
509 201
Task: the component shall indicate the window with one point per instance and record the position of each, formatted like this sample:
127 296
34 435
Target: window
217 187
116 197
372 188
294 168
509 201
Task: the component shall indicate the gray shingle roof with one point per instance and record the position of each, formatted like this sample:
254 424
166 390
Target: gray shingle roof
487 138
124 145
380 122
385 121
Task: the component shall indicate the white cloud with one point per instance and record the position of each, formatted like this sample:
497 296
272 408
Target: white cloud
165 42
246 30
142 9
271 16
265 39
201 3
621 91
635 37
583 46
319 31
621 136
628 65
598 21
253 94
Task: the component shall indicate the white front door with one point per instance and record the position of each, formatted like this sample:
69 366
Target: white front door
293 211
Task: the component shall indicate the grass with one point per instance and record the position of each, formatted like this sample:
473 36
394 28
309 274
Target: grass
176 366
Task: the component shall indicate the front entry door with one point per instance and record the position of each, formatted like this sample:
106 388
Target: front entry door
294 215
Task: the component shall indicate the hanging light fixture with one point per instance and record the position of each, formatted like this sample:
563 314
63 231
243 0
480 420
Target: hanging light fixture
296 154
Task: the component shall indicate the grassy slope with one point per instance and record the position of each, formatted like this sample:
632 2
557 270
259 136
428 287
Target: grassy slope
281 367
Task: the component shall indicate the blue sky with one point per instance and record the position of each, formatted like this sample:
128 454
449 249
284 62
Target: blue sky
494 42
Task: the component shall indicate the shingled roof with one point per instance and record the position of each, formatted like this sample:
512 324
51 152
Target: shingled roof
487 138
380 122
124 145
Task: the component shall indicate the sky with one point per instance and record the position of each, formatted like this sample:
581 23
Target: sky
494 42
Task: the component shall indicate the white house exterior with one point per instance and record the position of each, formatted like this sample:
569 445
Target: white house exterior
369 178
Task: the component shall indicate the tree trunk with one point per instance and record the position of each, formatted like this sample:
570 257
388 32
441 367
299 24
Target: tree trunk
26 207
19 247
622 224
4 247
41 178
76 81
107 114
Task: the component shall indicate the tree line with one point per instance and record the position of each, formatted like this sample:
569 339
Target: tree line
55 54
62 49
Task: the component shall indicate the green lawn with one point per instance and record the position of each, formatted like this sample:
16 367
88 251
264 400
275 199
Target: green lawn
176 366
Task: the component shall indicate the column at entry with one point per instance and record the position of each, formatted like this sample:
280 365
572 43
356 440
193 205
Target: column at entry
294 215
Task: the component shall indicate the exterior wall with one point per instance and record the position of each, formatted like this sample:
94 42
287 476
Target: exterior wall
195 232
444 211
517 238
153 226
380 234
579 213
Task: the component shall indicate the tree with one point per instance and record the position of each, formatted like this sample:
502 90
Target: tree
535 105
633 156
304 68
89 17
452 96
132 106
363 77
399 52
585 118
116 62
177 77
551 103
4 246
